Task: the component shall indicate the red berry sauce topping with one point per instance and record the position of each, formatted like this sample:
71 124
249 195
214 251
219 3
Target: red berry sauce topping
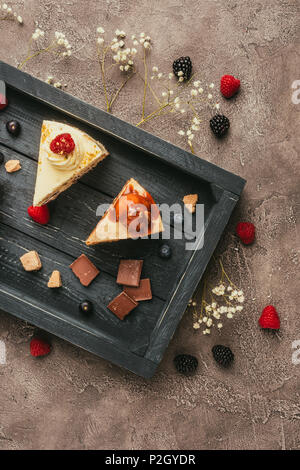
62 144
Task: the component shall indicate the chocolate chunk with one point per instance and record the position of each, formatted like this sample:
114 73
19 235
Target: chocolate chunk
143 292
122 305
129 273
84 269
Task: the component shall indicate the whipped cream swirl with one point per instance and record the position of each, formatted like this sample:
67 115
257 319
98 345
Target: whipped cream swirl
68 161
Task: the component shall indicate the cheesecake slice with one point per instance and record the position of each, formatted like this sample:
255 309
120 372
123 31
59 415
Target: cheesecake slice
66 154
132 214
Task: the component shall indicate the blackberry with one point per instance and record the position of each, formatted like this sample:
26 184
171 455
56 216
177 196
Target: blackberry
219 124
222 355
185 364
86 307
184 65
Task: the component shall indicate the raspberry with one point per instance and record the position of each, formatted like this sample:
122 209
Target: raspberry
63 144
39 214
246 232
229 85
269 318
39 347
3 102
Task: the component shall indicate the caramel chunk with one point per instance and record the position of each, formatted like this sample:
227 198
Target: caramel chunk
55 280
31 261
190 201
12 165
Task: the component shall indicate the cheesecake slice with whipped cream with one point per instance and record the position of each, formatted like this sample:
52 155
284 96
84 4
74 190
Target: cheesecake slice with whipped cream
66 154
132 214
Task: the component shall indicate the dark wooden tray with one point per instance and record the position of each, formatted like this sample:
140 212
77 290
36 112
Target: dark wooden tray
166 171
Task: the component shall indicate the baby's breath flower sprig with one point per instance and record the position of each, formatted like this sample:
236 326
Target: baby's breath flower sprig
217 303
122 56
59 46
9 14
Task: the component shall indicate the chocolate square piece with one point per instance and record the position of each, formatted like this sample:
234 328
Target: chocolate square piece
143 292
129 273
84 269
122 305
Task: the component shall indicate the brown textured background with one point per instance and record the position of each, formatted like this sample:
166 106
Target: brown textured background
74 400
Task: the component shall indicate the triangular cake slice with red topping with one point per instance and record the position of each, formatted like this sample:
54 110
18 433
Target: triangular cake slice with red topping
66 154
132 214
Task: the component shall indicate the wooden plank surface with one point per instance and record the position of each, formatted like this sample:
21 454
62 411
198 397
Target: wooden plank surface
167 172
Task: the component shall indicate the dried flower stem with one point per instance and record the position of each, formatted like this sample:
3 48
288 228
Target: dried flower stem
51 47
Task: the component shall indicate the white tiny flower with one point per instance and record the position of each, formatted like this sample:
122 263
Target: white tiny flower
207 331
121 68
69 53
181 132
209 322
100 30
220 325
60 42
240 292
135 43
196 326
154 69
209 96
142 35
117 32
239 308
229 288
164 94
159 75
217 106
115 40
9 10
195 128
35 36
20 19
229 315
212 85
177 105
197 84
194 92
217 315
170 76
189 133
147 45
130 62
4 6
196 121
142 40
100 41
133 51
205 319
180 73
182 111
241 299
181 79
171 92
200 91
126 68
